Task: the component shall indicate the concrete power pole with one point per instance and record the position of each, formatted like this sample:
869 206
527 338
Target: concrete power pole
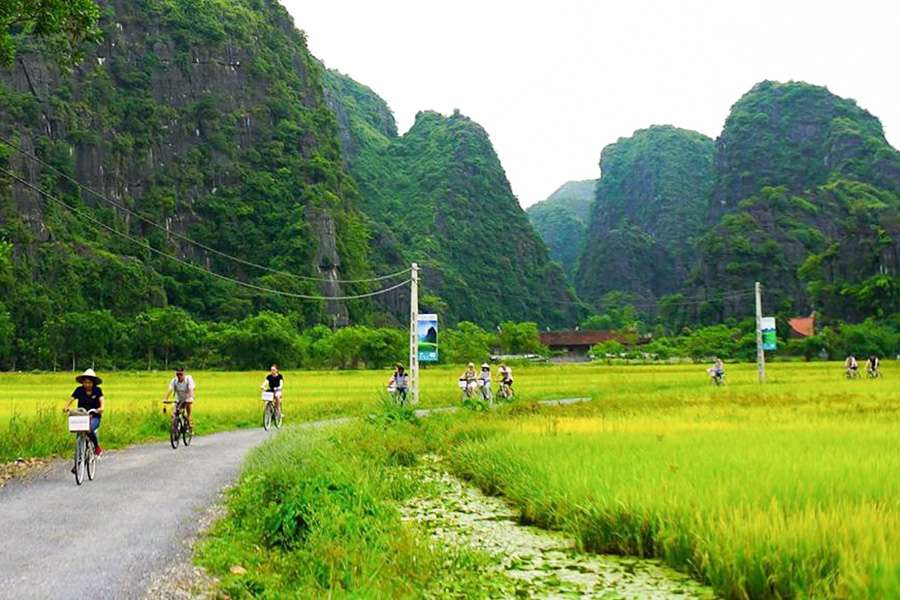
760 353
413 334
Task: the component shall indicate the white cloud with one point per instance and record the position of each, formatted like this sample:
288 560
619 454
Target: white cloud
554 82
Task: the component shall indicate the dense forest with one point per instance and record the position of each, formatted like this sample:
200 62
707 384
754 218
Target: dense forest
800 191
173 170
561 221
440 196
650 205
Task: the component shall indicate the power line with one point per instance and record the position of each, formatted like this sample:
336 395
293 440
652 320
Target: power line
185 238
189 264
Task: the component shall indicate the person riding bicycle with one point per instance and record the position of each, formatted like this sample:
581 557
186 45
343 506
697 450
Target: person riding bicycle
182 387
484 380
89 397
851 365
470 378
717 371
506 378
400 382
274 383
872 364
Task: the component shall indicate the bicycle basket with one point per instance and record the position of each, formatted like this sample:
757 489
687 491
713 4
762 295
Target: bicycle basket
79 423
268 396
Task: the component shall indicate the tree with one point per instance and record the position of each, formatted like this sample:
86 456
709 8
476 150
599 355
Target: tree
168 333
7 337
520 338
261 340
62 24
468 342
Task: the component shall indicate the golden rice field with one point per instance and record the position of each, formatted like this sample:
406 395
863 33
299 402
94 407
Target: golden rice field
790 490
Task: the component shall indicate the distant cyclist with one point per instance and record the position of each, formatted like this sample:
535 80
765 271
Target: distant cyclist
717 371
872 364
484 380
89 397
469 379
506 380
852 366
274 383
182 387
400 382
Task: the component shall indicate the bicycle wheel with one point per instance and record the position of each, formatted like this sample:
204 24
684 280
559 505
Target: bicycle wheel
80 449
267 416
174 433
91 459
279 418
187 432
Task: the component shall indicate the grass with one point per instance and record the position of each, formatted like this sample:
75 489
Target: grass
790 489
315 515
787 491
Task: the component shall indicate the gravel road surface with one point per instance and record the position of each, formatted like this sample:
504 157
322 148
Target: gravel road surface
108 537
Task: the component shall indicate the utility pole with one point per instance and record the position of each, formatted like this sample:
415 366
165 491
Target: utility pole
760 353
413 333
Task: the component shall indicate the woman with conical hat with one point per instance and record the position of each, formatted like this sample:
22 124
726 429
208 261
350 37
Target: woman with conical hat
89 397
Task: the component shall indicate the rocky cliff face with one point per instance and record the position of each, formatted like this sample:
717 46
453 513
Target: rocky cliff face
806 201
209 119
650 204
561 221
439 195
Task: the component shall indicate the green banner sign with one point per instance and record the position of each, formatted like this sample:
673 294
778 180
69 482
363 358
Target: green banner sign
426 330
769 337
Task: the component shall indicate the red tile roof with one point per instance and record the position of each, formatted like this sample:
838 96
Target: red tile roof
803 326
576 338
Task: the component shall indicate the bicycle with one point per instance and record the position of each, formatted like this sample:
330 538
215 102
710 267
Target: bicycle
181 426
873 373
505 392
718 379
852 374
272 411
85 458
486 393
468 389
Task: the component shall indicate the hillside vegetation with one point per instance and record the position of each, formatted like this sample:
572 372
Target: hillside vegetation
561 221
650 204
439 194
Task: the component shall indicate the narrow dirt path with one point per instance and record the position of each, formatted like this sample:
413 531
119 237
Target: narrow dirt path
541 563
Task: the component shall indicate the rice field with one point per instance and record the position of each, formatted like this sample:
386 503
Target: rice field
790 490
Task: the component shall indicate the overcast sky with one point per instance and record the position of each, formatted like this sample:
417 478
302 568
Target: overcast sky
553 82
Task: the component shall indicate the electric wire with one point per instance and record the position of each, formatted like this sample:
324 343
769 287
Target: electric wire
185 238
187 263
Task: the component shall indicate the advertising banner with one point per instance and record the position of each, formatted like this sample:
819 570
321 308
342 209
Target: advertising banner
769 339
426 330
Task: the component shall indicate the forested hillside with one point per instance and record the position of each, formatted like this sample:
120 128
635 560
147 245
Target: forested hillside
439 195
207 118
650 205
561 221
806 200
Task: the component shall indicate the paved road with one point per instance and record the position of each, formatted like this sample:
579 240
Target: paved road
109 537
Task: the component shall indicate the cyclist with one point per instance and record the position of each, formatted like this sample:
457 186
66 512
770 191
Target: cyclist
506 378
485 381
717 371
851 365
872 364
400 382
89 397
469 377
182 386
275 383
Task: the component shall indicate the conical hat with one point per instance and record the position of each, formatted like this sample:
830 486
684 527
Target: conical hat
89 373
